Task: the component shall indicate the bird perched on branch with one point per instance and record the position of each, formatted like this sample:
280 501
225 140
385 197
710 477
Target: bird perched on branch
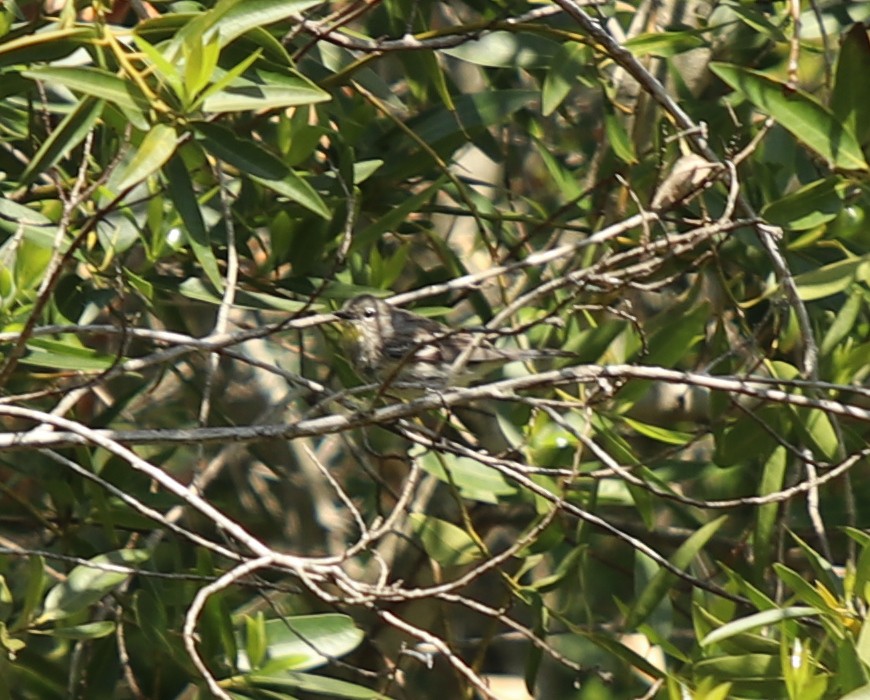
403 349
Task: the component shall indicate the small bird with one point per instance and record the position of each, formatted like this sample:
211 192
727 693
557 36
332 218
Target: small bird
403 349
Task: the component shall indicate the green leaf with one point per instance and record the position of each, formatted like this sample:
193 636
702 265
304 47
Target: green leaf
45 46
5 599
395 216
446 543
829 279
752 622
186 204
678 330
801 588
11 645
295 188
826 575
317 685
480 110
816 425
44 352
166 70
843 323
567 64
474 480
798 113
734 640
663 581
301 642
8 290
666 44
85 584
270 90
766 525
230 76
244 154
195 288
35 577
156 148
38 229
68 134
255 640
618 138
849 97
808 207
657 433
507 50
30 264
100 84
862 646
232 18
89 630
621 651
200 60
744 667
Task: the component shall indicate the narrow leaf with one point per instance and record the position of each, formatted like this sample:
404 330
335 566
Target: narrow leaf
829 279
807 207
446 543
270 90
68 134
766 517
752 622
156 148
85 584
184 198
42 46
849 96
97 83
89 630
232 18
662 582
166 70
797 112
308 640
244 154
562 74
295 188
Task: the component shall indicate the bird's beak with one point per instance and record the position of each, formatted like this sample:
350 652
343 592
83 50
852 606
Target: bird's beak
342 315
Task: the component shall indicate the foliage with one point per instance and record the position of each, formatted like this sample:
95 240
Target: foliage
200 495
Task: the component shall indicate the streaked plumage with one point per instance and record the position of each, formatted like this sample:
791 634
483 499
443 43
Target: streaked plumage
402 348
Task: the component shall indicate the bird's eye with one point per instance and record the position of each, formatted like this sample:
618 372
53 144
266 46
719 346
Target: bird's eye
370 312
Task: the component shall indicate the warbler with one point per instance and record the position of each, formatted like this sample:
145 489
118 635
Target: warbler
403 349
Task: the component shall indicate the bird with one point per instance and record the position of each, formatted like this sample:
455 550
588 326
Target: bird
404 349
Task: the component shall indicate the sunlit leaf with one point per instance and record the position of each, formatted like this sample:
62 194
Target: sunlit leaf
507 49
86 584
828 279
446 543
753 622
797 112
807 207
156 148
302 642
295 188
849 95
100 84
270 90
43 46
